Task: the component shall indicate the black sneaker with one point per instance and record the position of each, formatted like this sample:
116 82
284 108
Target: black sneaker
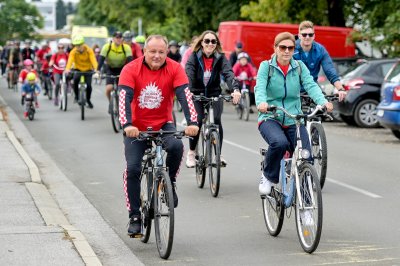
90 105
175 195
135 226
251 111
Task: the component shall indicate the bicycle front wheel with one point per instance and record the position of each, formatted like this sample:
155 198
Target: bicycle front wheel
273 210
146 183
82 102
164 214
246 106
214 163
309 208
319 149
63 97
114 112
200 161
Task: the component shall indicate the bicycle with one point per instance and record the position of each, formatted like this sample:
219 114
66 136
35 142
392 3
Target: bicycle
156 196
29 105
63 93
299 187
317 136
48 84
208 149
82 91
243 108
13 82
114 104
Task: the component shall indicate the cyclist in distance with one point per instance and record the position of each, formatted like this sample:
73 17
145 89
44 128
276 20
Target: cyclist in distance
315 56
135 47
147 88
117 55
282 88
204 69
28 52
15 60
83 59
58 62
245 72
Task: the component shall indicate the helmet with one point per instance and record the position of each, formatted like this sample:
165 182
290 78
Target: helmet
127 35
173 43
140 39
242 55
31 76
28 62
78 40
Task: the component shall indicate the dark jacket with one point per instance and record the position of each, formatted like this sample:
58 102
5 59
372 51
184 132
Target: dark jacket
221 66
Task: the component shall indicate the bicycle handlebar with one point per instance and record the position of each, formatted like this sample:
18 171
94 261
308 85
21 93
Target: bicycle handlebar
212 99
151 134
318 108
110 76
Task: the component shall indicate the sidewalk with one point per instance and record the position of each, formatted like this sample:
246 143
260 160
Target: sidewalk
33 227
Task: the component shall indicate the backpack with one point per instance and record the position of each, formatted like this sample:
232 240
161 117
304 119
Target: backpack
271 71
109 49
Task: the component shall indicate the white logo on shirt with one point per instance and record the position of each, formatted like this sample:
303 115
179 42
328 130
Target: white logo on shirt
150 97
206 77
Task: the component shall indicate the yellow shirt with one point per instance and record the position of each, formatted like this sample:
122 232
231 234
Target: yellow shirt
84 61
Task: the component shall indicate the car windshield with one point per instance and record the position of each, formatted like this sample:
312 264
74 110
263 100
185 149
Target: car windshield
356 70
394 75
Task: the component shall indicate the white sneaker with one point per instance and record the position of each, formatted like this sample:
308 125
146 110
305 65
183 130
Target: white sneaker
307 218
265 186
191 159
184 123
223 161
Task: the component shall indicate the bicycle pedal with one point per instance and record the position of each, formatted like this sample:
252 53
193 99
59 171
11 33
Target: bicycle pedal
139 235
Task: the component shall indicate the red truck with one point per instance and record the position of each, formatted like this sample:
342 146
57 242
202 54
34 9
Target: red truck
258 38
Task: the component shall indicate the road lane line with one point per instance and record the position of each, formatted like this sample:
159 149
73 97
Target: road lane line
359 190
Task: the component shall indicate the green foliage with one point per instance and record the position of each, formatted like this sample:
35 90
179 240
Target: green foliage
19 20
274 11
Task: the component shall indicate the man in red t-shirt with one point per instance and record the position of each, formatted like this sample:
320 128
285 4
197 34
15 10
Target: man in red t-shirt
147 88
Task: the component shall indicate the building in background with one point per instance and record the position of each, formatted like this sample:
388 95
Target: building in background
48 12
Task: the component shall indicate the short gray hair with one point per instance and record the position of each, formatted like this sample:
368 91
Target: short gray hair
156 36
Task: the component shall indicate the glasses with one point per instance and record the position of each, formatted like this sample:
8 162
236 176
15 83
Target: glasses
208 41
60 47
309 34
283 48
118 37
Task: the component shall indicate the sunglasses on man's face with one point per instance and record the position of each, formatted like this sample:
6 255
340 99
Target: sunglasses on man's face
283 48
307 34
208 41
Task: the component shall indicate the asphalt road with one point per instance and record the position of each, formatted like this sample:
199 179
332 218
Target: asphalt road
360 197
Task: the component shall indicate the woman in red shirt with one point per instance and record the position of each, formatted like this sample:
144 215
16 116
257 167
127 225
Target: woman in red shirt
58 61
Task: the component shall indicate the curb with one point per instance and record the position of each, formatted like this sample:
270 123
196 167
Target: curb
48 208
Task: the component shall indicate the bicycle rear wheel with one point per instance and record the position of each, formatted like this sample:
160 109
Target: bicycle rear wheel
246 106
146 183
309 208
273 210
164 214
200 161
114 112
214 163
319 149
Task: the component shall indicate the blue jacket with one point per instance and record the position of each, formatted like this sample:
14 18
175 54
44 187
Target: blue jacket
28 88
317 57
284 91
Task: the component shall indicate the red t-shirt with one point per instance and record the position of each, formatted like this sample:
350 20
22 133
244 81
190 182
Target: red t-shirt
153 92
60 61
284 68
24 73
207 69
41 53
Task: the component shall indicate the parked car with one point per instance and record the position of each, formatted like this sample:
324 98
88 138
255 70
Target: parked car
363 92
389 108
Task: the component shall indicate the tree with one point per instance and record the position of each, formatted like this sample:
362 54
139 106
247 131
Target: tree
61 15
22 20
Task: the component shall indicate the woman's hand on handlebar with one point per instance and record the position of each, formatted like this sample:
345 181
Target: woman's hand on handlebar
262 107
131 131
191 131
329 107
236 96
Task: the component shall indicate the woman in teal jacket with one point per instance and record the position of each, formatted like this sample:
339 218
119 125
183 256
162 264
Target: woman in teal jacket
279 81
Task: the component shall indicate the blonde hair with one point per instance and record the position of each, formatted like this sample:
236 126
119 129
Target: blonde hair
197 43
284 36
306 25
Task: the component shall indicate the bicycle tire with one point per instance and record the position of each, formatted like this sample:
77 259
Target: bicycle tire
214 162
146 183
246 106
15 81
82 102
65 98
201 161
239 110
309 235
114 113
319 149
49 88
164 207
31 113
273 210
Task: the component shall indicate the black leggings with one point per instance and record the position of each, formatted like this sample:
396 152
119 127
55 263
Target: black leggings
134 151
88 80
218 108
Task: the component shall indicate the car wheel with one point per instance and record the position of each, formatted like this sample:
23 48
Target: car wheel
396 133
348 120
365 114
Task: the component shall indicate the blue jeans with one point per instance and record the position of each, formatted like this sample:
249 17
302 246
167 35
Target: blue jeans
279 140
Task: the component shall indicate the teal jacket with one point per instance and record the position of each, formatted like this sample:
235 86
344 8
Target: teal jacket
285 91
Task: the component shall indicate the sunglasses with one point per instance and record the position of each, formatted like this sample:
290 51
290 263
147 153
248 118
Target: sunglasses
309 34
283 48
207 41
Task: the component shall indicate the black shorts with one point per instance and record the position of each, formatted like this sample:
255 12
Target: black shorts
114 72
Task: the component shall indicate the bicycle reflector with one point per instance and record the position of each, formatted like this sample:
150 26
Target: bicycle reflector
305 154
